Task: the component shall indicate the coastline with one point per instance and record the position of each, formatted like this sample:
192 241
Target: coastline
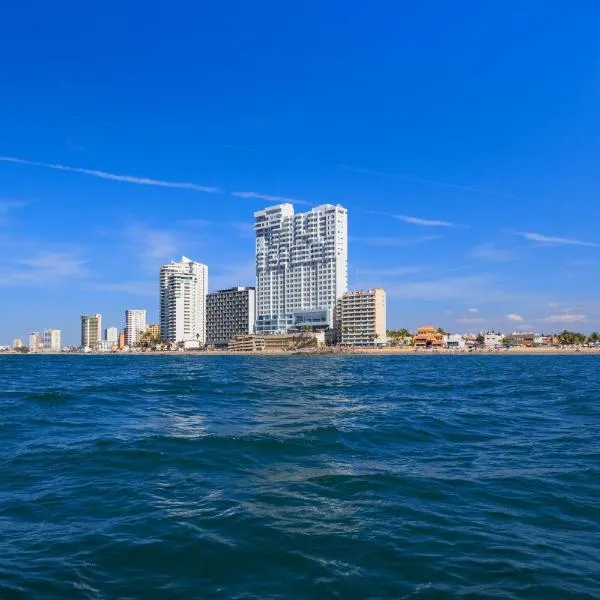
388 351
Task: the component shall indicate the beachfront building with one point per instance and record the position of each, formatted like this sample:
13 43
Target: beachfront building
153 330
492 339
135 324
301 266
361 318
112 335
454 341
183 287
52 339
520 339
229 313
35 343
429 337
91 331
18 344
279 342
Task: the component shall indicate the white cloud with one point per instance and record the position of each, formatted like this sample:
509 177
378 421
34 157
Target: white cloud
470 320
473 310
481 288
513 317
43 268
423 222
269 198
142 288
114 177
548 239
491 253
565 318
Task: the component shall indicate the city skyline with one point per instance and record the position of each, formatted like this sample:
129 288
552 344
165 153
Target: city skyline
462 145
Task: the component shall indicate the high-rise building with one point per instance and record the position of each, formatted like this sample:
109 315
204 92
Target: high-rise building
91 331
52 339
17 344
112 335
35 342
135 323
301 266
183 287
361 318
229 313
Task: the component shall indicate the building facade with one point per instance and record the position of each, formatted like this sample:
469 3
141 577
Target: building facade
52 339
183 287
91 331
35 342
492 339
454 340
229 313
429 337
112 335
301 266
17 344
361 318
135 324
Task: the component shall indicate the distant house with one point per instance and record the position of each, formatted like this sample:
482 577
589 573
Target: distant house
492 339
454 340
520 339
429 337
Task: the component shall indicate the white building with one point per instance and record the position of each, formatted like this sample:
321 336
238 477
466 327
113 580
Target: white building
361 318
229 313
183 287
112 335
492 339
17 344
454 340
52 339
301 266
91 331
135 323
35 342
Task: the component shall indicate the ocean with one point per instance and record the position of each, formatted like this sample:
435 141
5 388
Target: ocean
175 477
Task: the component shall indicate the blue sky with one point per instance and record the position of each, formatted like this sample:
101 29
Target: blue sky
462 137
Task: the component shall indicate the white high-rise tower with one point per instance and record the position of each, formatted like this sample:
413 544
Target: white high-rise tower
301 266
135 323
183 287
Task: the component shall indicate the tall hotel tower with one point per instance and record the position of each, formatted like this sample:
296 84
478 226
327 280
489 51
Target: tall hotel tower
183 287
301 266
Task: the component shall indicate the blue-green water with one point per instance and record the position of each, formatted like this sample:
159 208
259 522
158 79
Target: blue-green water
299 477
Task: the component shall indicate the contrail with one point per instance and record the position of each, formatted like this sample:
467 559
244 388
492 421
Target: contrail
114 177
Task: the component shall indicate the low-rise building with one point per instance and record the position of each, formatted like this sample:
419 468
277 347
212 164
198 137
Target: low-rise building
429 337
18 344
284 342
361 318
112 335
492 339
229 313
454 340
520 339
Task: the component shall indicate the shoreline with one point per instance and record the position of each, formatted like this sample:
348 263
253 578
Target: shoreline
393 351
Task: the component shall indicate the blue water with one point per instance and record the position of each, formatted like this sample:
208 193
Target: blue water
299 477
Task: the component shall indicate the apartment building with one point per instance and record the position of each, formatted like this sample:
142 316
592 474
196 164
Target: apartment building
183 287
91 331
361 318
135 324
229 313
52 339
301 266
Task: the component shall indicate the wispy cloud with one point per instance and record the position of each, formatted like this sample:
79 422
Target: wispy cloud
242 272
152 246
434 182
241 148
400 271
142 288
114 177
481 287
549 239
514 317
393 241
472 310
470 320
423 222
7 205
565 318
491 252
42 268
269 198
